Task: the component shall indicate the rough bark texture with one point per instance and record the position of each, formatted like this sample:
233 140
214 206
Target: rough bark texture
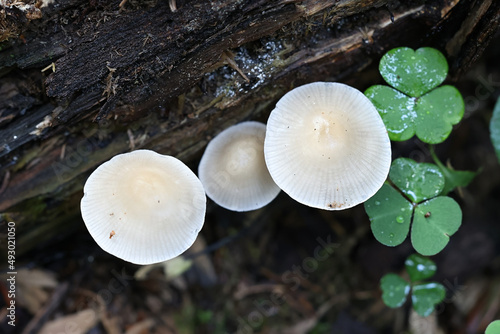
81 81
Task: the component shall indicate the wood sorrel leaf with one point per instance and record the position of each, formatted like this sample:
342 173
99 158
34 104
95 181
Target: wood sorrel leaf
390 216
419 267
437 112
426 296
415 105
396 109
493 328
495 128
394 290
434 221
431 117
453 178
413 72
418 181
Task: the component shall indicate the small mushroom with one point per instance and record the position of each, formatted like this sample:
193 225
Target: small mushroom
233 170
326 146
153 204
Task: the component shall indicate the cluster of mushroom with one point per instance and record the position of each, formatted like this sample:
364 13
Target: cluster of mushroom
325 145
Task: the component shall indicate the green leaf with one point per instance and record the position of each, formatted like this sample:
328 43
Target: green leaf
419 267
431 116
437 112
453 178
493 328
390 216
394 290
204 316
396 109
426 296
434 222
456 178
415 105
418 181
413 72
495 128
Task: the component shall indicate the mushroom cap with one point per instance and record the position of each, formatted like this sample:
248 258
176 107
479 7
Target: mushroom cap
143 207
326 146
233 170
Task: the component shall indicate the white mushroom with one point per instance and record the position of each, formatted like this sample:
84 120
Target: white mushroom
143 207
326 146
233 170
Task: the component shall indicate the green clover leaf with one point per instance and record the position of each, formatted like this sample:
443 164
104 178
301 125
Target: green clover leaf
434 221
419 267
415 105
495 128
437 112
418 181
426 296
456 178
413 72
394 290
396 109
453 178
493 328
390 216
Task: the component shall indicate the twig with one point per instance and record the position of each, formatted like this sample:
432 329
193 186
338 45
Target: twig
5 182
228 58
51 66
45 312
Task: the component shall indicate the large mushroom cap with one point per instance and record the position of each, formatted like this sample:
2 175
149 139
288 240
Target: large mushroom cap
233 170
143 207
326 146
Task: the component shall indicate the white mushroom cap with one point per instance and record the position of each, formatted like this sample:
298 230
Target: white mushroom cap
326 146
233 170
143 207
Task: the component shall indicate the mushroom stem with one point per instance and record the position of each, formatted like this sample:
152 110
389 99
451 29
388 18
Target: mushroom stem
173 5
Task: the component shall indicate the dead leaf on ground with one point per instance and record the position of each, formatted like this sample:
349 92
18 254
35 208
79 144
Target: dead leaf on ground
32 286
76 323
141 327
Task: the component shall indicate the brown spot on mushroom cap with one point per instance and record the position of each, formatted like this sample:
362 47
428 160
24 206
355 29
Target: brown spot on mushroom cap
335 205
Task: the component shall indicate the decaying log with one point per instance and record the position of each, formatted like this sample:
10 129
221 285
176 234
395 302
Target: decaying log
84 80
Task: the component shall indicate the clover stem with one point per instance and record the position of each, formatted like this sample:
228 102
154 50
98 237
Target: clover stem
435 157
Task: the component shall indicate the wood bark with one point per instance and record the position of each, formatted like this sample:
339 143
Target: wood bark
84 80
